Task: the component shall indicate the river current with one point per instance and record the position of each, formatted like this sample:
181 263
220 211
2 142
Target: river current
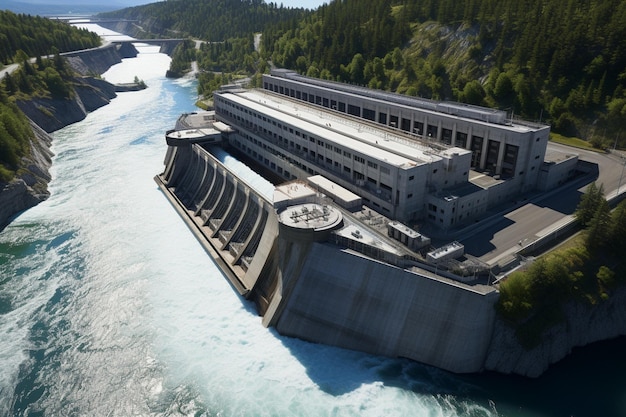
110 307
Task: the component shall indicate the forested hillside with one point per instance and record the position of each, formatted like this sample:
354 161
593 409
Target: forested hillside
561 62
22 37
564 62
213 20
38 36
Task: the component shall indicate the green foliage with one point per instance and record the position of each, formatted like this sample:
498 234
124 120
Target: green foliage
599 227
564 63
210 81
617 236
561 63
47 79
532 300
213 21
24 36
589 203
15 135
183 54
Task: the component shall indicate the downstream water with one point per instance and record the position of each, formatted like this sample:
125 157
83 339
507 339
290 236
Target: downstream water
109 306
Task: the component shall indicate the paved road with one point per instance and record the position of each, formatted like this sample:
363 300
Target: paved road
502 234
8 69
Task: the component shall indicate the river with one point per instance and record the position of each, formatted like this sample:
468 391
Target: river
110 307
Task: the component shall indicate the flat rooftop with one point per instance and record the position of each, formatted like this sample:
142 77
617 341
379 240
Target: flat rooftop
195 120
333 189
357 136
555 156
483 180
477 114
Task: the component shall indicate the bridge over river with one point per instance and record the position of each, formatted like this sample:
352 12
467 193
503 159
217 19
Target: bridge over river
160 42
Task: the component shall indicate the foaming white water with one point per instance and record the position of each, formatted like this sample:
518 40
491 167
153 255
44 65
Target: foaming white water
254 180
116 310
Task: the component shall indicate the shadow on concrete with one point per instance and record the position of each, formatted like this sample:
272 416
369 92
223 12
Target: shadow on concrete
338 371
564 202
479 243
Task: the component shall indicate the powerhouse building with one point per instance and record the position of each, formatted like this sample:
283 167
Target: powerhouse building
407 158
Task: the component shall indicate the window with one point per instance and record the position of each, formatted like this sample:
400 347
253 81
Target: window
359 159
372 164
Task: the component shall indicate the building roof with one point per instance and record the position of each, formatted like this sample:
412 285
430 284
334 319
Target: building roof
477 114
334 190
357 136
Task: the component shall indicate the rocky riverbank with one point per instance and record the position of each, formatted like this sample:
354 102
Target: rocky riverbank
53 114
30 187
583 324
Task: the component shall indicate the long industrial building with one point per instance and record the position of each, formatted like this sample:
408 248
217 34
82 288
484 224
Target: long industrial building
408 158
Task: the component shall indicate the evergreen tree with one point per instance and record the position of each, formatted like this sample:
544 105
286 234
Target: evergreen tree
9 84
589 203
617 239
599 228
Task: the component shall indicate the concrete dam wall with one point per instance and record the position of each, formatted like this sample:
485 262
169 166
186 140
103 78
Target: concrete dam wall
235 224
308 287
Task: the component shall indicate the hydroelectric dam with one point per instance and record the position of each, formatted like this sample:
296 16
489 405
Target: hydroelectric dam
314 268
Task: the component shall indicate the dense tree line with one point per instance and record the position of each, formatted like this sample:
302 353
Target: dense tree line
564 62
45 78
15 135
23 37
213 21
38 36
533 300
559 62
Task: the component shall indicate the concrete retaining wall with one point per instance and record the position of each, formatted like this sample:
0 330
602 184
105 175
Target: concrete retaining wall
362 304
234 223
317 291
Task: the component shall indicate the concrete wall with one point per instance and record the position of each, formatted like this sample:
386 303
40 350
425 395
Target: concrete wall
235 224
317 291
366 305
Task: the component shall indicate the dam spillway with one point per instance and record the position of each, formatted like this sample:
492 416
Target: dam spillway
315 271
229 218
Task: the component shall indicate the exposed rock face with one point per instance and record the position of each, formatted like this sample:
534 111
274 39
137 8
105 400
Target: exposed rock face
94 61
47 115
53 114
30 187
583 325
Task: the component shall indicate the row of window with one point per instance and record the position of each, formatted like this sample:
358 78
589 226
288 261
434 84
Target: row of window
460 139
290 144
402 123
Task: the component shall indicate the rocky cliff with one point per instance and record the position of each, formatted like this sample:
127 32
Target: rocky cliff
582 325
53 114
30 187
47 115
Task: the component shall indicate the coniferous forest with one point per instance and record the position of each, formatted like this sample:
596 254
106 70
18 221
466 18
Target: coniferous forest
23 37
38 36
559 62
562 63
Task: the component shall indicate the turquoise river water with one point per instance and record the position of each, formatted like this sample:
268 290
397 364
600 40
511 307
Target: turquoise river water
110 307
